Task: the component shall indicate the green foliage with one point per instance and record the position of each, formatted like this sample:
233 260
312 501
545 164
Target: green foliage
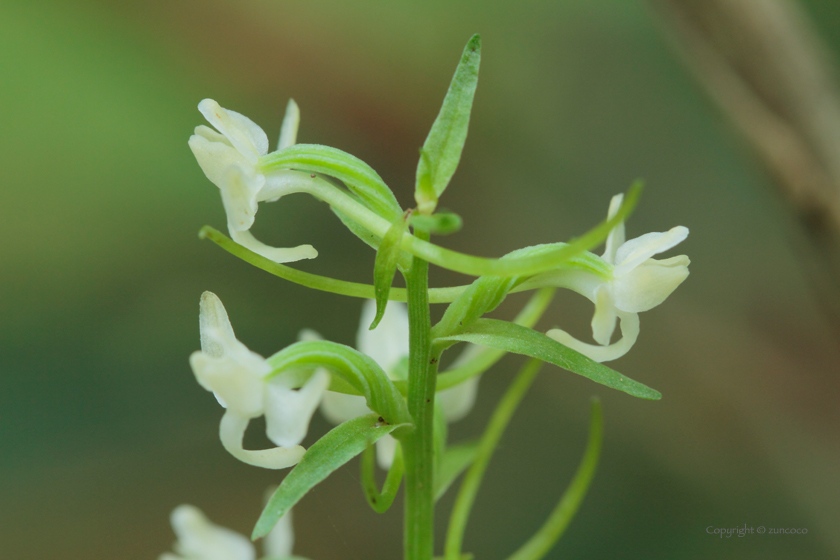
337 447
511 337
455 460
442 223
381 502
441 152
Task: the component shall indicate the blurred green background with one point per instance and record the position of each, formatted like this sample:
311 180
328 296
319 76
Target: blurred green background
103 429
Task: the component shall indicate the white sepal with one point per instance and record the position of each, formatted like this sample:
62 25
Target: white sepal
200 539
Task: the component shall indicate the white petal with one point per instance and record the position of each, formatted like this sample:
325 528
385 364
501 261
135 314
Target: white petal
387 344
214 157
629 334
213 136
276 254
239 188
214 326
248 138
232 430
289 128
338 408
386 447
647 285
458 401
603 321
199 539
309 335
615 239
279 541
638 250
288 412
236 387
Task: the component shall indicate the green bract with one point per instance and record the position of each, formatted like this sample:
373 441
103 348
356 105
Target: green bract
441 153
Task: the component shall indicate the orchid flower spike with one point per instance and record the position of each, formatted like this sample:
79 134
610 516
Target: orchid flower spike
238 379
230 159
201 539
638 283
388 346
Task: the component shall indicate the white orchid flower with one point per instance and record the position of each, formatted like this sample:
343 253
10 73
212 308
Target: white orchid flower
637 283
230 159
200 539
388 346
237 377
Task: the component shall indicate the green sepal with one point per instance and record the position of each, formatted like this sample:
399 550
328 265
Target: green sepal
385 266
511 337
336 448
543 540
455 460
359 177
442 223
381 502
350 368
441 152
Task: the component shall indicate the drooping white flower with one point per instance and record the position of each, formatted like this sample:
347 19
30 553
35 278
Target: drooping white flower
230 158
237 377
201 539
388 346
638 282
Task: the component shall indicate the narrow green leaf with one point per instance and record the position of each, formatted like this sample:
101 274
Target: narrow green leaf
442 223
441 152
353 368
385 266
540 544
359 177
511 337
381 502
455 460
337 447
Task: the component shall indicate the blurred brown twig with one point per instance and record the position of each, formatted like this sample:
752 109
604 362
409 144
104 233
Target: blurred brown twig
764 65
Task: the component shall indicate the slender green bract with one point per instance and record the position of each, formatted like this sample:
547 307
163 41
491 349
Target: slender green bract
359 177
511 337
353 368
385 266
338 446
541 543
441 152
443 223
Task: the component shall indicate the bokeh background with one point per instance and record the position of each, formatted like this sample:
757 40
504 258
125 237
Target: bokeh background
103 429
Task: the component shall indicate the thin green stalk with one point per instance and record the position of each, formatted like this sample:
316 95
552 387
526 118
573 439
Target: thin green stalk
418 446
472 480
540 544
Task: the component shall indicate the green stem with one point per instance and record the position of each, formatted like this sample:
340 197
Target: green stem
418 446
472 480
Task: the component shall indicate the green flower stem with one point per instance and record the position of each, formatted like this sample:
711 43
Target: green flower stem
459 262
540 544
418 446
472 480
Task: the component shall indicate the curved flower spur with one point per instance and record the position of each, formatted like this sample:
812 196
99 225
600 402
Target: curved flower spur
237 377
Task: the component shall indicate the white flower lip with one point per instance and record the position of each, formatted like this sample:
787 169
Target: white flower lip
229 157
237 377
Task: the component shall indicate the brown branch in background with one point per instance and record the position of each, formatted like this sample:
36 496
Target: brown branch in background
763 64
